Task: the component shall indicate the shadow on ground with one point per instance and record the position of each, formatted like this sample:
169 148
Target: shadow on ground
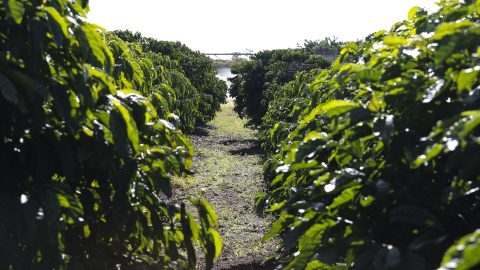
203 130
245 147
239 141
251 266
251 150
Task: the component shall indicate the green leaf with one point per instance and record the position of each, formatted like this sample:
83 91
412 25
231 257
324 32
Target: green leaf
16 10
95 42
277 206
212 216
448 29
308 243
260 202
346 196
367 75
63 200
463 255
412 13
78 8
395 41
374 105
277 226
218 243
128 68
431 152
315 265
119 133
132 130
467 78
84 3
160 181
138 73
8 89
444 52
294 234
469 125
336 107
56 21
188 237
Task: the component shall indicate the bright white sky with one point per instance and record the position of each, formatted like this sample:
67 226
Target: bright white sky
215 26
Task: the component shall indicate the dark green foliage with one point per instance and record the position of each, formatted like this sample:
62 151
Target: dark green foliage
85 163
283 110
164 80
375 166
256 80
197 68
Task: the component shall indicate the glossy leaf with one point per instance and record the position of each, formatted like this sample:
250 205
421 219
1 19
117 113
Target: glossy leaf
337 107
9 92
464 254
16 10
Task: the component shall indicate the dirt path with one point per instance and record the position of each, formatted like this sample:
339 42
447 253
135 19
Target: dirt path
228 165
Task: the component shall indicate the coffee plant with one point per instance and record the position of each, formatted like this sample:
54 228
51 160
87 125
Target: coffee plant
256 80
169 80
374 163
88 143
209 92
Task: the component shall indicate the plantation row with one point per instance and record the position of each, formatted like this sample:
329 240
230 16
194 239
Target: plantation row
91 131
373 163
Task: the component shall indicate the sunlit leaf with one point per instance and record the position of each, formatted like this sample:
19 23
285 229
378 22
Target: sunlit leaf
463 254
337 107
346 196
58 25
467 78
16 10
412 13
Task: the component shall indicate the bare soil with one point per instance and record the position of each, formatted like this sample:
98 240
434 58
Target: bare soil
228 163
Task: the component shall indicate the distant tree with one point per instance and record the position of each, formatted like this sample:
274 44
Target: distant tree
258 77
327 46
197 68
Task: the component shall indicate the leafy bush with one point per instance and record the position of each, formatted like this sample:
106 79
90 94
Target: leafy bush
196 67
257 79
376 165
169 80
86 163
286 99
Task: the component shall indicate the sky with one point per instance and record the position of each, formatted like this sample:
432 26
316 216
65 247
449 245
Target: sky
225 26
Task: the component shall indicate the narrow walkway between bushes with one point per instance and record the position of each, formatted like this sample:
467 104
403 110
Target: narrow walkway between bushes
228 165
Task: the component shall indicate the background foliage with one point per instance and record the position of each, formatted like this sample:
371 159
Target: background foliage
196 67
87 148
219 63
327 46
374 163
257 79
